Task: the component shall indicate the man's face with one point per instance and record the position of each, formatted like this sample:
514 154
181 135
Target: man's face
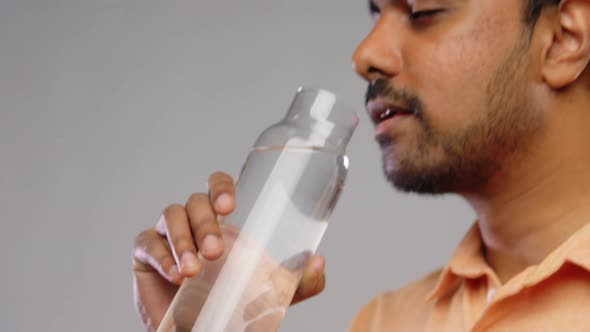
449 90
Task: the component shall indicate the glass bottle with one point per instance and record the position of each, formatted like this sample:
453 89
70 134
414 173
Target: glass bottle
285 194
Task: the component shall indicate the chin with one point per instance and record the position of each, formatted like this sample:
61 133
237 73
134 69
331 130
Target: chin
420 180
416 185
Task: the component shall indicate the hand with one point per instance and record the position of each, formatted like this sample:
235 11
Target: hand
165 255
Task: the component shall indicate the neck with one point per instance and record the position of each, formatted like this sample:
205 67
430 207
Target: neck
534 205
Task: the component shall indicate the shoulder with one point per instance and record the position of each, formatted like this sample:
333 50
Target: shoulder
386 308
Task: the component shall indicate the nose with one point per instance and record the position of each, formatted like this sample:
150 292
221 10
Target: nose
378 56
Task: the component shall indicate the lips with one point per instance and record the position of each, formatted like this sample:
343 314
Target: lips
381 111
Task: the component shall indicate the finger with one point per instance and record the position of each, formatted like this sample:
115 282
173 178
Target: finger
204 225
264 313
180 238
270 320
151 252
313 280
275 286
222 193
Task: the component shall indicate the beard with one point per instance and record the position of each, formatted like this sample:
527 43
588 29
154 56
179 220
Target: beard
465 160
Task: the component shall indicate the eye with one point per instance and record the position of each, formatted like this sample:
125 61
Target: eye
417 16
374 10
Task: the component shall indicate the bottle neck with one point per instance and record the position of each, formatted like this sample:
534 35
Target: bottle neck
325 119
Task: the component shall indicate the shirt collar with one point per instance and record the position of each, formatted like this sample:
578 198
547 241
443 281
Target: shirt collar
468 263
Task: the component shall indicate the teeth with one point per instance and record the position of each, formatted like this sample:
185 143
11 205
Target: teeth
386 114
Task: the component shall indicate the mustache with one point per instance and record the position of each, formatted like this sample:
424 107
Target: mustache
382 88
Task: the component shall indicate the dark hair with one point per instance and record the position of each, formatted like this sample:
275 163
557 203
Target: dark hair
533 9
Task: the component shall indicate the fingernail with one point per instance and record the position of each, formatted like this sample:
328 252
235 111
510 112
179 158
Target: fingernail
188 261
211 244
223 201
317 265
173 272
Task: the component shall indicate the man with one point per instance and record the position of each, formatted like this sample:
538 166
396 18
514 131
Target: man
488 99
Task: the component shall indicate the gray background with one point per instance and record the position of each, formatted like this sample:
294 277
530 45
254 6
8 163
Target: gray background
110 110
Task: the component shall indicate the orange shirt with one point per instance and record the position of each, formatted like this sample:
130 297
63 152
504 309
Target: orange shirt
467 295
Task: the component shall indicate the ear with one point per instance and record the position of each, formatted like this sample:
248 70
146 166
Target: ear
569 51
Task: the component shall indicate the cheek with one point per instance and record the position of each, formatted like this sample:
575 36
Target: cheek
451 74
452 87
